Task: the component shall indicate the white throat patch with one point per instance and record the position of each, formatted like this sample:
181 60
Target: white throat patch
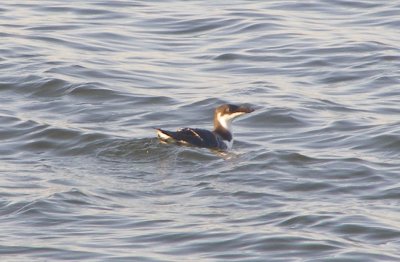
226 120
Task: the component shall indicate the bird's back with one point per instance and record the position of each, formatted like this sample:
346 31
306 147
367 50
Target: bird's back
193 136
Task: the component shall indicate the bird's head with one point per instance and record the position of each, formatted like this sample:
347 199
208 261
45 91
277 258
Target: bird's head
225 114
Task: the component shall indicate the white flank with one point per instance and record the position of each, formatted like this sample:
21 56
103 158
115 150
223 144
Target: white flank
162 136
228 144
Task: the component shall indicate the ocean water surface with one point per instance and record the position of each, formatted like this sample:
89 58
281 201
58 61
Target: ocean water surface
314 172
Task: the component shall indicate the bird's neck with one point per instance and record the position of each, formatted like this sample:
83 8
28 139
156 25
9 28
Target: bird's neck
223 127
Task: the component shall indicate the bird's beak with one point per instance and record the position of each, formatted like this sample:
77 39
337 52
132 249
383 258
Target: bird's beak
245 109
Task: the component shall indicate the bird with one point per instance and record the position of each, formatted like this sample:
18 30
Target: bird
221 138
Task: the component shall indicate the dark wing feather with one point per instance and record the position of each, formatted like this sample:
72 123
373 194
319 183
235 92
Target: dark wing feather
196 137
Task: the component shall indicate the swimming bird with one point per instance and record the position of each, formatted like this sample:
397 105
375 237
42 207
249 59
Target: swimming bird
220 138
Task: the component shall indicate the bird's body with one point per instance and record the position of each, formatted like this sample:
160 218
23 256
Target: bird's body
194 137
220 138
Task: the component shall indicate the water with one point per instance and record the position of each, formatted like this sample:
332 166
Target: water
314 173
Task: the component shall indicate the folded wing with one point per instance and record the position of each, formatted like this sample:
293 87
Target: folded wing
192 136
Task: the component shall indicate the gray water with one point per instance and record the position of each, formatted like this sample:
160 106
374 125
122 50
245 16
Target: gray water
314 172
